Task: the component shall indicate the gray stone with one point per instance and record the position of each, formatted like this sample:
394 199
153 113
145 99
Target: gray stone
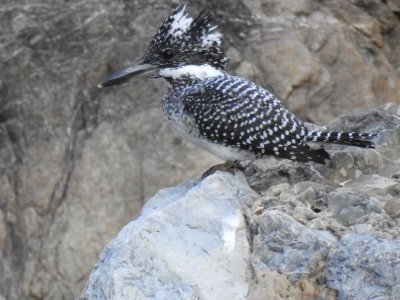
342 168
374 184
348 205
190 242
289 247
362 266
390 170
392 207
3 233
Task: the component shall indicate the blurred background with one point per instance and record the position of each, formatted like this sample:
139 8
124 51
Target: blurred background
77 162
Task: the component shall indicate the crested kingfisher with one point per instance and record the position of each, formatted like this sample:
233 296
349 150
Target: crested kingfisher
229 116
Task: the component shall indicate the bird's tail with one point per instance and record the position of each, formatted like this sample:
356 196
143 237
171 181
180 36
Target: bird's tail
363 140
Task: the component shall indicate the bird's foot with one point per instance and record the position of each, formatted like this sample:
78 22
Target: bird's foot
229 166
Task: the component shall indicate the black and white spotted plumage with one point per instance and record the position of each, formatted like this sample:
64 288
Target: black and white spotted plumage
233 112
363 140
231 117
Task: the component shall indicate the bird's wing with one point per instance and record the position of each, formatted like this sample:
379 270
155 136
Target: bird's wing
235 112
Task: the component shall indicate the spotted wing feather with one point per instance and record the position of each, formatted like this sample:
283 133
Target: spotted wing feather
234 112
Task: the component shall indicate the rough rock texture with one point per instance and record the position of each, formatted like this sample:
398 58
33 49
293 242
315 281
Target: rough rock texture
77 163
353 255
309 219
313 232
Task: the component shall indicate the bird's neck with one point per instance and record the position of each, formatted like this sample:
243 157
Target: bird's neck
190 73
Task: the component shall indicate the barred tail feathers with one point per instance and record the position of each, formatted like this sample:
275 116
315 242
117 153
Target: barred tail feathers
363 140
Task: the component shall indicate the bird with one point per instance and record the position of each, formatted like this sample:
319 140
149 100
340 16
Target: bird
231 117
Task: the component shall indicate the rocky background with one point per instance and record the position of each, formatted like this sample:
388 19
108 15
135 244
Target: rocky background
77 163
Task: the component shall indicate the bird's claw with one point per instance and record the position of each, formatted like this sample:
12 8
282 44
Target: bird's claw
229 166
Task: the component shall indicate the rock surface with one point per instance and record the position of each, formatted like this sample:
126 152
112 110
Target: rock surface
77 163
311 232
182 234
347 264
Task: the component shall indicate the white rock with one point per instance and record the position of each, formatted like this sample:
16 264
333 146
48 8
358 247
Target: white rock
190 242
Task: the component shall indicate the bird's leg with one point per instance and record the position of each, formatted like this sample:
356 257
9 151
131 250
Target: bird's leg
244 166
229 166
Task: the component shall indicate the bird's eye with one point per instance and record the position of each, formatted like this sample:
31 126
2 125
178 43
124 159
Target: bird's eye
167 54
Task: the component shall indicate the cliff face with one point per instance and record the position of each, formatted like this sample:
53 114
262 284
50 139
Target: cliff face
311 232
78 163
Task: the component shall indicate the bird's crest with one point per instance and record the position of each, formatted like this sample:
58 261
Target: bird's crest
197 38
180 26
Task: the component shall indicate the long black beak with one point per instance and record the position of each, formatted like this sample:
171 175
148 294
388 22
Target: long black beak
138 70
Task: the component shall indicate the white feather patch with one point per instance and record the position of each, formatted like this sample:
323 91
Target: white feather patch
211 38
192 71
180 24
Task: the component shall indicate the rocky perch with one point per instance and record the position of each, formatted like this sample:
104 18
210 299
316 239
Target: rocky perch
280 230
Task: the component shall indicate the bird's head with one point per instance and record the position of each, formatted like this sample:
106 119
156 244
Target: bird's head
182 46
